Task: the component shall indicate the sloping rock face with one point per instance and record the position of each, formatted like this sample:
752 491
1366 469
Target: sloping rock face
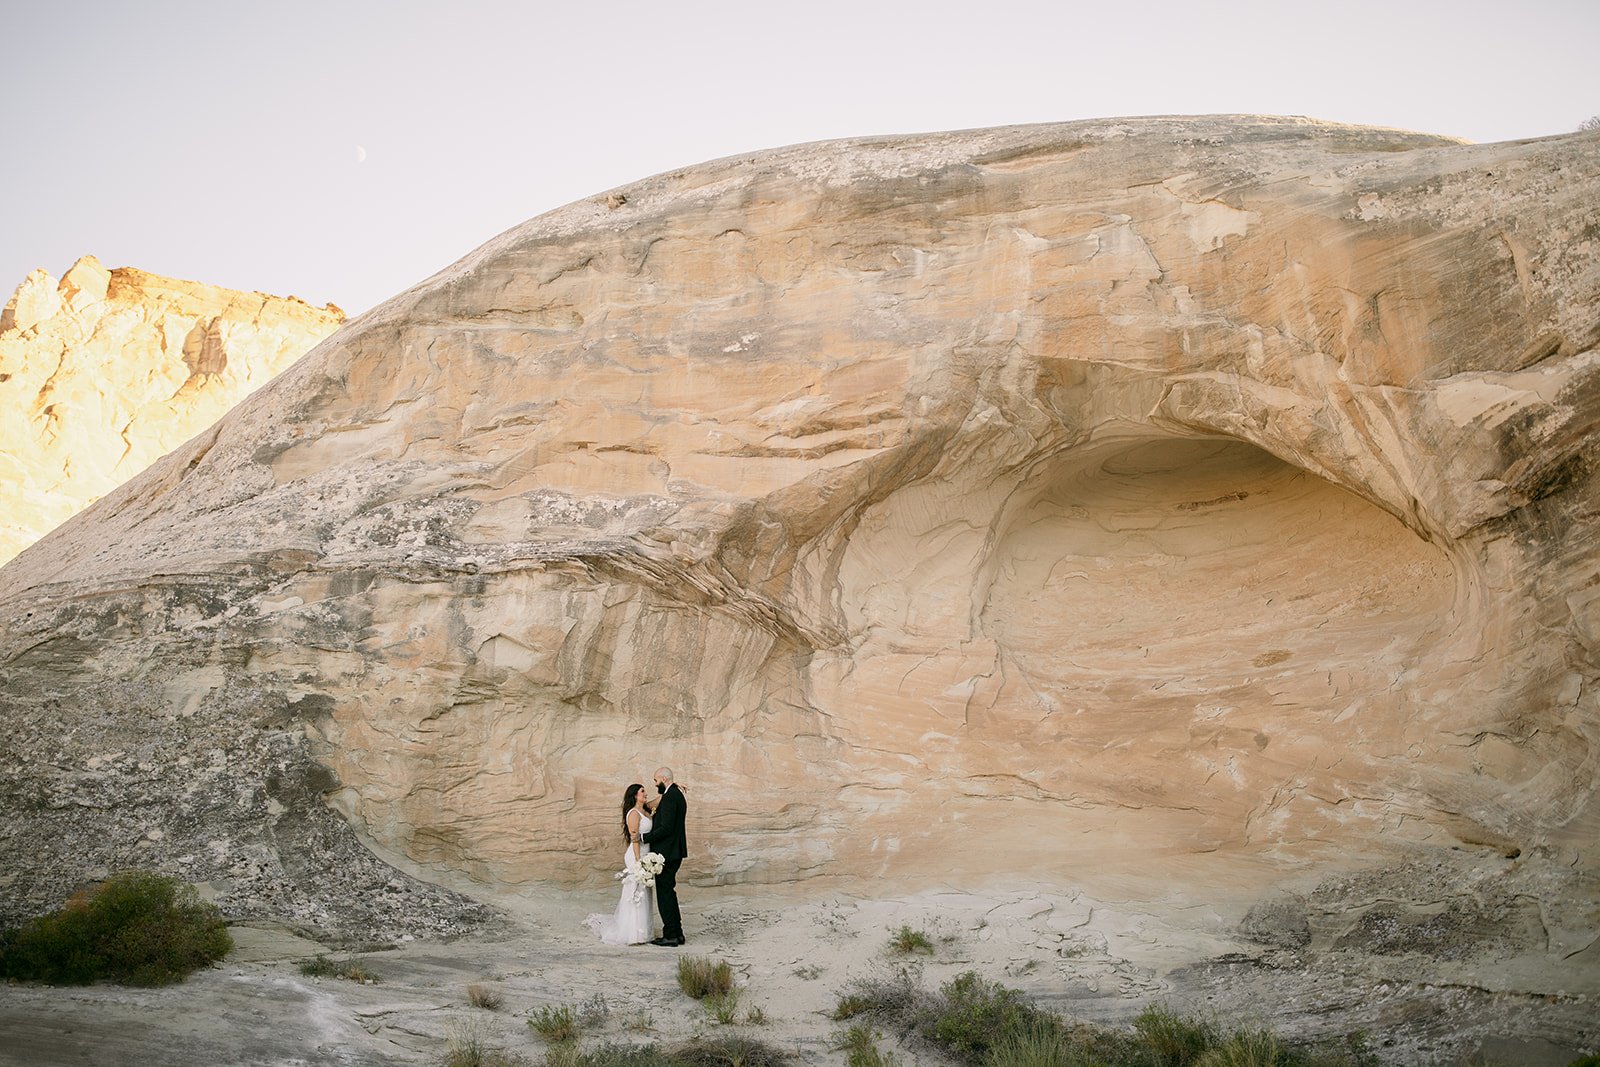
1201 508
106 371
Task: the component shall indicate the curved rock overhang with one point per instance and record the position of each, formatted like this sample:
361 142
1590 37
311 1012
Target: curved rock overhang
1043 499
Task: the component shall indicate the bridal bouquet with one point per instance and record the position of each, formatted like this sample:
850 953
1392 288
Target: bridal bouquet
644 876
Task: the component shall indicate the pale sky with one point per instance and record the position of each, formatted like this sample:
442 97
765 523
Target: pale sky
342 151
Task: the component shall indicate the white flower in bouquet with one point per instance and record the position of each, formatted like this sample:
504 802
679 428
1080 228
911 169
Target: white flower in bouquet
644 875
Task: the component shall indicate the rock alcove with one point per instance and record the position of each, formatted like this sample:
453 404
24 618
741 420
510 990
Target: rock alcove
1203 504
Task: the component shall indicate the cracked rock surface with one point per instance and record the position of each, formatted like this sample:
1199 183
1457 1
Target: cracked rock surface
1199 512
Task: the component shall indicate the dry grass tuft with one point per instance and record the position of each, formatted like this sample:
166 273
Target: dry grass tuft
699 977
486 997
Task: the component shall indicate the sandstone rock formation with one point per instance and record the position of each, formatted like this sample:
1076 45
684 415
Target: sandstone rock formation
108 370
1203 508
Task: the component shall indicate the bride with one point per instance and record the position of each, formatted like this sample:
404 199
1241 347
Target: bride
634 919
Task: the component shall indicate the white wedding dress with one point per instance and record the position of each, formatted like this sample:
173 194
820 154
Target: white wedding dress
633 920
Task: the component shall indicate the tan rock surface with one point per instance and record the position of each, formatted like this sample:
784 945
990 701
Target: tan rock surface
106 371
1177 508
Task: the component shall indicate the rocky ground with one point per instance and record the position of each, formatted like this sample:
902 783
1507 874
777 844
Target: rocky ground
792 957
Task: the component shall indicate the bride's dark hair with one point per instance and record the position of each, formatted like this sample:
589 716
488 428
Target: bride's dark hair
627 806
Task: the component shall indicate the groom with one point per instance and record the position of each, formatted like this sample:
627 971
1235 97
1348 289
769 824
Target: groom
666 836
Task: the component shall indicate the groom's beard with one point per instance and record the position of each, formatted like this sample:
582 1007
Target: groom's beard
661 788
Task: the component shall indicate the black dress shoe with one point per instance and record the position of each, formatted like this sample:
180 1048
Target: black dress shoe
668 942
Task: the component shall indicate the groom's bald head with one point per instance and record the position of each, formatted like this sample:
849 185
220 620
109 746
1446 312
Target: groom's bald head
664 775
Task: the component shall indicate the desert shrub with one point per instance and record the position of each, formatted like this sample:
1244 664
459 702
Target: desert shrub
755 1017
966 1018
137 928
860 1047
907 942
700 977
976 1015
485 996
555 1024
469 1049
357 972
565 1054
1042 1046
609 1055
852 1004
978 1023
593 1013
897 999
319 966
1247 1048
351 967
723 1007
1173 1040
730 1050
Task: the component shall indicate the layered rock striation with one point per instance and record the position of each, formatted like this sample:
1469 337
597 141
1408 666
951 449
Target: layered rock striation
1202 508
105 371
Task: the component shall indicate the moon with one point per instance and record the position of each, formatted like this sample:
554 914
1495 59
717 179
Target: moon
361 153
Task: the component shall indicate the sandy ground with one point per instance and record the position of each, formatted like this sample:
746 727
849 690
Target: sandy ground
791 957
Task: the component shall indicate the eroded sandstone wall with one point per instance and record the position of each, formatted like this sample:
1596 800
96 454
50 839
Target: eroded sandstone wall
105 371
1201 505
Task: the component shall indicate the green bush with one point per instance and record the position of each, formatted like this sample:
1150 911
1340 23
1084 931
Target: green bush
907 942
1173 1040
1247 1048
1040 1046
319 966
555 1024
978 1023
977 1015
860 1047
138 928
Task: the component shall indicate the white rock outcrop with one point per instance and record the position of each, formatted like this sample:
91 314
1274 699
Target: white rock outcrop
106 371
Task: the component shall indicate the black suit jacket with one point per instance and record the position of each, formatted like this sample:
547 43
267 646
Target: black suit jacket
666 834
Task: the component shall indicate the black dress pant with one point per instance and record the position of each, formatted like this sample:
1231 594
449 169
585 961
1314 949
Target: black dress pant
667 899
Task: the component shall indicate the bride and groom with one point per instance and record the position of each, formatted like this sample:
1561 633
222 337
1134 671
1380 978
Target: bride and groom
650 827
